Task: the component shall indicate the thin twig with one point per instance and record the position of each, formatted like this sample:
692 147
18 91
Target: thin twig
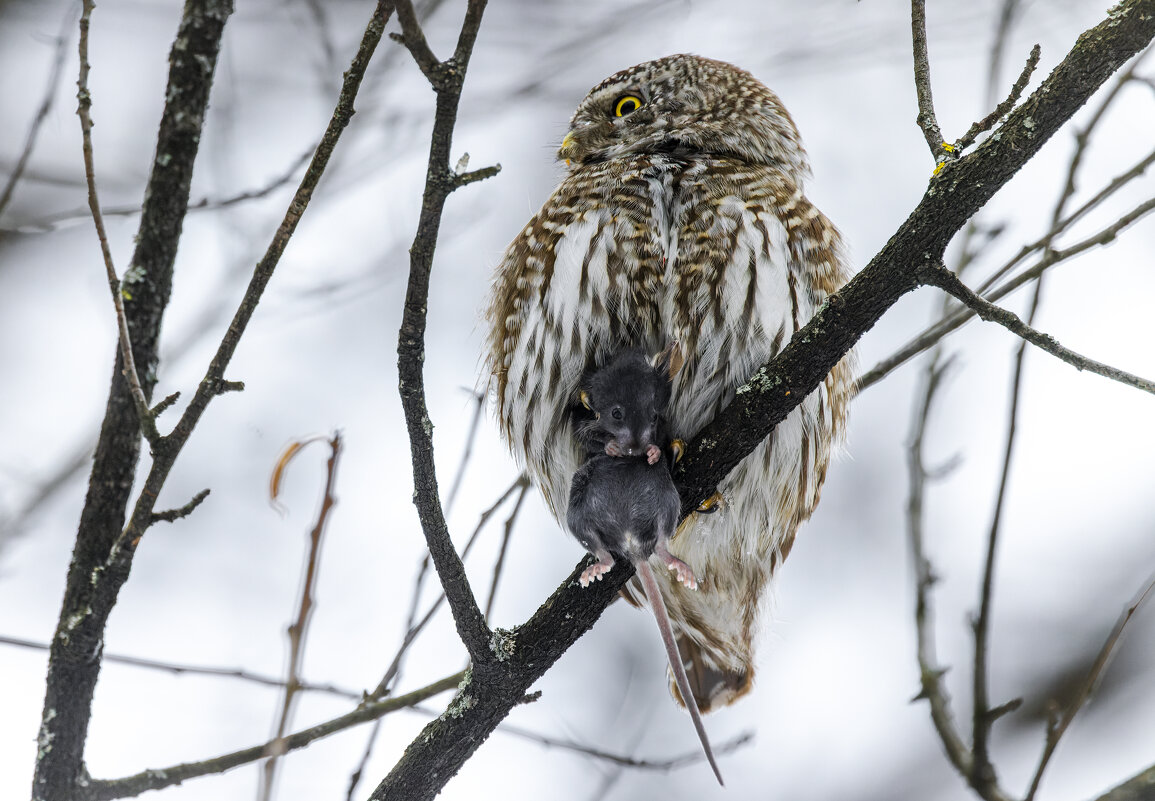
662 765
199 670
930 674
1056 731
523 489
948 282
415 627
982 775
207 203
147 422
470 437
298 631
926 118
54 75
1003 108
156 779
359 771
935 333
172 515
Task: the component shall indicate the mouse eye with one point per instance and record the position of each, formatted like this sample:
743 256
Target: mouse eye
616 413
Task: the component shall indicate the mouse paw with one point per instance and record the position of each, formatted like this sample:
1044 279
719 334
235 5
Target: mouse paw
653 454
683 571
613 448
596 571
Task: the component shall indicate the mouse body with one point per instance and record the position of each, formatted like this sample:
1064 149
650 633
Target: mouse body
622 499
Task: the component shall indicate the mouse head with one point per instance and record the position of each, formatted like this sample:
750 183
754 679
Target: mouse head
628 397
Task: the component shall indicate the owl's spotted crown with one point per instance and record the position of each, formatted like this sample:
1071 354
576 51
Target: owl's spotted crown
689 106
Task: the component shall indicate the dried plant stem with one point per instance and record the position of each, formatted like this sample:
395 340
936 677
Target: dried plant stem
299 630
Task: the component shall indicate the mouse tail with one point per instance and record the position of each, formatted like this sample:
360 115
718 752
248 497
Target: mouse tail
654 595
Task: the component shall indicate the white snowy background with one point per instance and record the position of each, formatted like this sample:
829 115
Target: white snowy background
831 709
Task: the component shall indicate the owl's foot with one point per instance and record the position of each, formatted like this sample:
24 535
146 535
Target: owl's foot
710 505
598 569
653 454
684 572
678 449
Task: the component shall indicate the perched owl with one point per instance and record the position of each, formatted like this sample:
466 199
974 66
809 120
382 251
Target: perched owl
681 218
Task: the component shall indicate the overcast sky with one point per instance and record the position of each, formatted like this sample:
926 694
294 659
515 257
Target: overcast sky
831 709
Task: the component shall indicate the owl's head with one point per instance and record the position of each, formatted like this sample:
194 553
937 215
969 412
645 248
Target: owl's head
685 105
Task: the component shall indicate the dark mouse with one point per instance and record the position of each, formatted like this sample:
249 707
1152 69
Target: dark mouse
622 499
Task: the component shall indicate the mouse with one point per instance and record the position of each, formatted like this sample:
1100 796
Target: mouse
622 498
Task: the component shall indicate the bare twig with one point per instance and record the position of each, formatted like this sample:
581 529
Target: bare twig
172 515
948 282
130 786
930 673
415 627
936 332
982 775
207 203
474 425
1056 730
147 422
298 631
1003 108
926 117
447 79
179 669
660 765
523 488
54 76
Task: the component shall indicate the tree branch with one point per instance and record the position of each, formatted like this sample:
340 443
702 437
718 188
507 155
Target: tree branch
130 786
446 79
947 281
147 423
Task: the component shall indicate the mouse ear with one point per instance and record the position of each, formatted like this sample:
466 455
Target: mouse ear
670 360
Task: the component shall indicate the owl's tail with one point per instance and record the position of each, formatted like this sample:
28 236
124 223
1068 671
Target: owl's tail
712 686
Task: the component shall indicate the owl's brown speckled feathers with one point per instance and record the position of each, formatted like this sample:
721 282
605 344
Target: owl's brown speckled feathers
681 218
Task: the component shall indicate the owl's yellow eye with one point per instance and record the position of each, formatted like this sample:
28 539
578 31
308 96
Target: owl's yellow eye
627 104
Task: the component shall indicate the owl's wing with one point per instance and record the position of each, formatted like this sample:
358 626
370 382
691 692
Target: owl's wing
755 260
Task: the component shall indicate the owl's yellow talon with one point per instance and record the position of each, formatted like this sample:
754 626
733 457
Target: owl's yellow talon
710 505
679 448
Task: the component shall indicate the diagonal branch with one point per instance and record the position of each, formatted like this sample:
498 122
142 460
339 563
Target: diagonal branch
947 281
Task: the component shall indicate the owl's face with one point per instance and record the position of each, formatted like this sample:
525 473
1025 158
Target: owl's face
684 105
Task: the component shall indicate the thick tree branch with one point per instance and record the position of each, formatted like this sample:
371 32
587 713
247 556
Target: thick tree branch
105 547
74 660
962 188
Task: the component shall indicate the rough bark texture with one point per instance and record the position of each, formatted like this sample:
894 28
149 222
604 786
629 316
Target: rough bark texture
74 660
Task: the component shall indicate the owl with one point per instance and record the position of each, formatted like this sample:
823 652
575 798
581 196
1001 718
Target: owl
681 217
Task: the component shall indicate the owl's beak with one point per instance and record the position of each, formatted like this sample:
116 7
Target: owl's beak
565 151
